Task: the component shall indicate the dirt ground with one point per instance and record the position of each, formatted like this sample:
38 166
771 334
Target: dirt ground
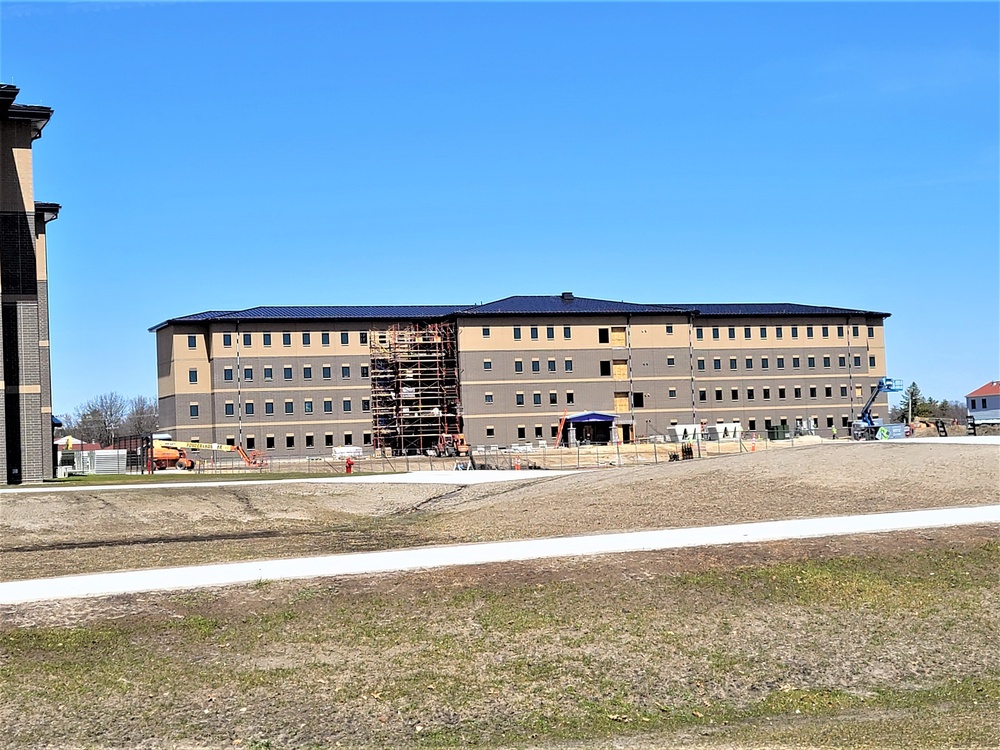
820 643
61 533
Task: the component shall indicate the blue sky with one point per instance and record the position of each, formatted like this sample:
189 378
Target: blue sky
224 155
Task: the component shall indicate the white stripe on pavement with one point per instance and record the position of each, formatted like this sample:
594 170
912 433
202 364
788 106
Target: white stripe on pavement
134 581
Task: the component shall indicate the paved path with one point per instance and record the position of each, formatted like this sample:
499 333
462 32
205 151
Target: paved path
200 576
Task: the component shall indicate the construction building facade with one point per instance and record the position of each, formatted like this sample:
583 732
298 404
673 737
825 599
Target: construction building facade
25 375
301 380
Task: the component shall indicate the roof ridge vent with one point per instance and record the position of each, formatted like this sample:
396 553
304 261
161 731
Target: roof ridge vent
567 296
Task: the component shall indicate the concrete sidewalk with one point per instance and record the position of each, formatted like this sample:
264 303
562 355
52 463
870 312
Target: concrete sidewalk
226 574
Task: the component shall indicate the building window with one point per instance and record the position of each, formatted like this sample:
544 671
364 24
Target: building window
718 394
842 361
553 398
229 409
567 332
825 331
192 376
364 371
778 331
328 406
605 368
854 331
871 332
251 442
536 366
267 339
809 332
749 394
840 332
491 431
269 407
363 337
248 408
701 364
763 332
781 391
734 394
857 391
307 372
289 407
797 392
324 338
348 438
603 335
536 398
309 440
857 361
227 339
795 362
366 438
534 333
795 332
732 332
699 333
193 410
570 398
671 393
289 441
486 332
763 363
765 394
732 363
812 361
871 361
746 332
227 373
517 333
345 338
780 363
568 365
328 439
519 399
702 395
812 391
306 339
487 364
550 332
307 406
327 372
192 342
715 332
843 391
538 430
670 362
828 391
749 363
248 373
552 365
345 371
287 372
286 339
638 400
752 424
518 365
670 330
826 361
269 442
346 405
488 398
716 364
520 432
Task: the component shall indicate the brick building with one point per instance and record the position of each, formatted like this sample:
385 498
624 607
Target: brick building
25 379
300 380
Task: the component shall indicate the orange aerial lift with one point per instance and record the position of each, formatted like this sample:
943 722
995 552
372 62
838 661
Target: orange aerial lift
171 453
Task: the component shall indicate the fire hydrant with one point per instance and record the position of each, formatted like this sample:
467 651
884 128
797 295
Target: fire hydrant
349 465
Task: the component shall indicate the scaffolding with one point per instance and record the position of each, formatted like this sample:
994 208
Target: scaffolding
414 382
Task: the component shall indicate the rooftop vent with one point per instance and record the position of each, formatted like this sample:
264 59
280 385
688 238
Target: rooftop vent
567 296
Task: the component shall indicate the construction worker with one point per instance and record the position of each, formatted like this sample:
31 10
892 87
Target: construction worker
834 433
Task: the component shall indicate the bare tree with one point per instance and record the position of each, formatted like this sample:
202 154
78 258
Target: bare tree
142 418
100 420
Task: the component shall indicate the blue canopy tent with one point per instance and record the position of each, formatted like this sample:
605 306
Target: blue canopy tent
590 427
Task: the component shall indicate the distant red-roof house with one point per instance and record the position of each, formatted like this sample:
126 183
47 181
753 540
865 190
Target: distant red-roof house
984 403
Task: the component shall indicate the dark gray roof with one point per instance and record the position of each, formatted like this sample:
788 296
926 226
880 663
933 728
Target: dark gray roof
569 305
515 305
320 312
778 309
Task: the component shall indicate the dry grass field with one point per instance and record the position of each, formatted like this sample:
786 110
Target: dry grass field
869 641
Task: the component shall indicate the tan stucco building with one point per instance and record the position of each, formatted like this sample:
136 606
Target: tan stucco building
25 377
301 380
